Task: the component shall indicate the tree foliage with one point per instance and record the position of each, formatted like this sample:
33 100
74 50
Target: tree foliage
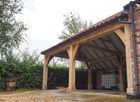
11 29
73 24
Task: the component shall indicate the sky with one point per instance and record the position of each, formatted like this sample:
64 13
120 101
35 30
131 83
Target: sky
45 18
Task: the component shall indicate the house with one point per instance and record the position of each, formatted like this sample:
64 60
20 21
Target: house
110 45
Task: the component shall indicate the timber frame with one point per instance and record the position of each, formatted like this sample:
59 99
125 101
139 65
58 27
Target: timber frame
72 50
104 45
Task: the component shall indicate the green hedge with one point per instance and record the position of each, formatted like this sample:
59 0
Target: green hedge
29 71
26 78
31 78
59 77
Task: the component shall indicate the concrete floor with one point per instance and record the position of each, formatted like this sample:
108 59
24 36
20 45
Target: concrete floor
81 95
63 96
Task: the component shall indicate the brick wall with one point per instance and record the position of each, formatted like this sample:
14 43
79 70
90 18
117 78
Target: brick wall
131 85
137 31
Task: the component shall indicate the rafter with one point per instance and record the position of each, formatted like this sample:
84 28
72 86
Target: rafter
104 55
93 58
109 69
108 48
104 59
114 45
83 56
105 40
85 51
102 49
98 57
97 67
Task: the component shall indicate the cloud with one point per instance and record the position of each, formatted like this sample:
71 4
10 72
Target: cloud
45 17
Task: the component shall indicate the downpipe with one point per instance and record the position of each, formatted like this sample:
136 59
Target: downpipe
132 25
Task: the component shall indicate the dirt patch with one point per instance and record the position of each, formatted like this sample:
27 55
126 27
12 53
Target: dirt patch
29 97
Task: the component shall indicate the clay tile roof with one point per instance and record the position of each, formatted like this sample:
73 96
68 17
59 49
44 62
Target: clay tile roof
112 19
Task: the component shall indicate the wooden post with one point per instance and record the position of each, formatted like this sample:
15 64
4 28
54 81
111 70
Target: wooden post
121 35
129 61
120 70
89 76
72 56
121 84
45 72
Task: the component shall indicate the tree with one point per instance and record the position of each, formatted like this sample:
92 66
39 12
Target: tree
73 24
11 29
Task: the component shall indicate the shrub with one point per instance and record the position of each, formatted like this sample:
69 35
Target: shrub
29 71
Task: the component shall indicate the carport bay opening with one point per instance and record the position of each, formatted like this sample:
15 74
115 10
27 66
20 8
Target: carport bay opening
106 57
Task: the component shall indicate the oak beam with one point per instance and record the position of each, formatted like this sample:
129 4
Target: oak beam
72 56
121 34
89 37
66 56
129 61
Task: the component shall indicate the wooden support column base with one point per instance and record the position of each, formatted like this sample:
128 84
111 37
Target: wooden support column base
89 75
89 86
45 72
71 89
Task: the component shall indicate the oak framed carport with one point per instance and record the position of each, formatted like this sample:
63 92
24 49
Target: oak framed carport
82 44
103 46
